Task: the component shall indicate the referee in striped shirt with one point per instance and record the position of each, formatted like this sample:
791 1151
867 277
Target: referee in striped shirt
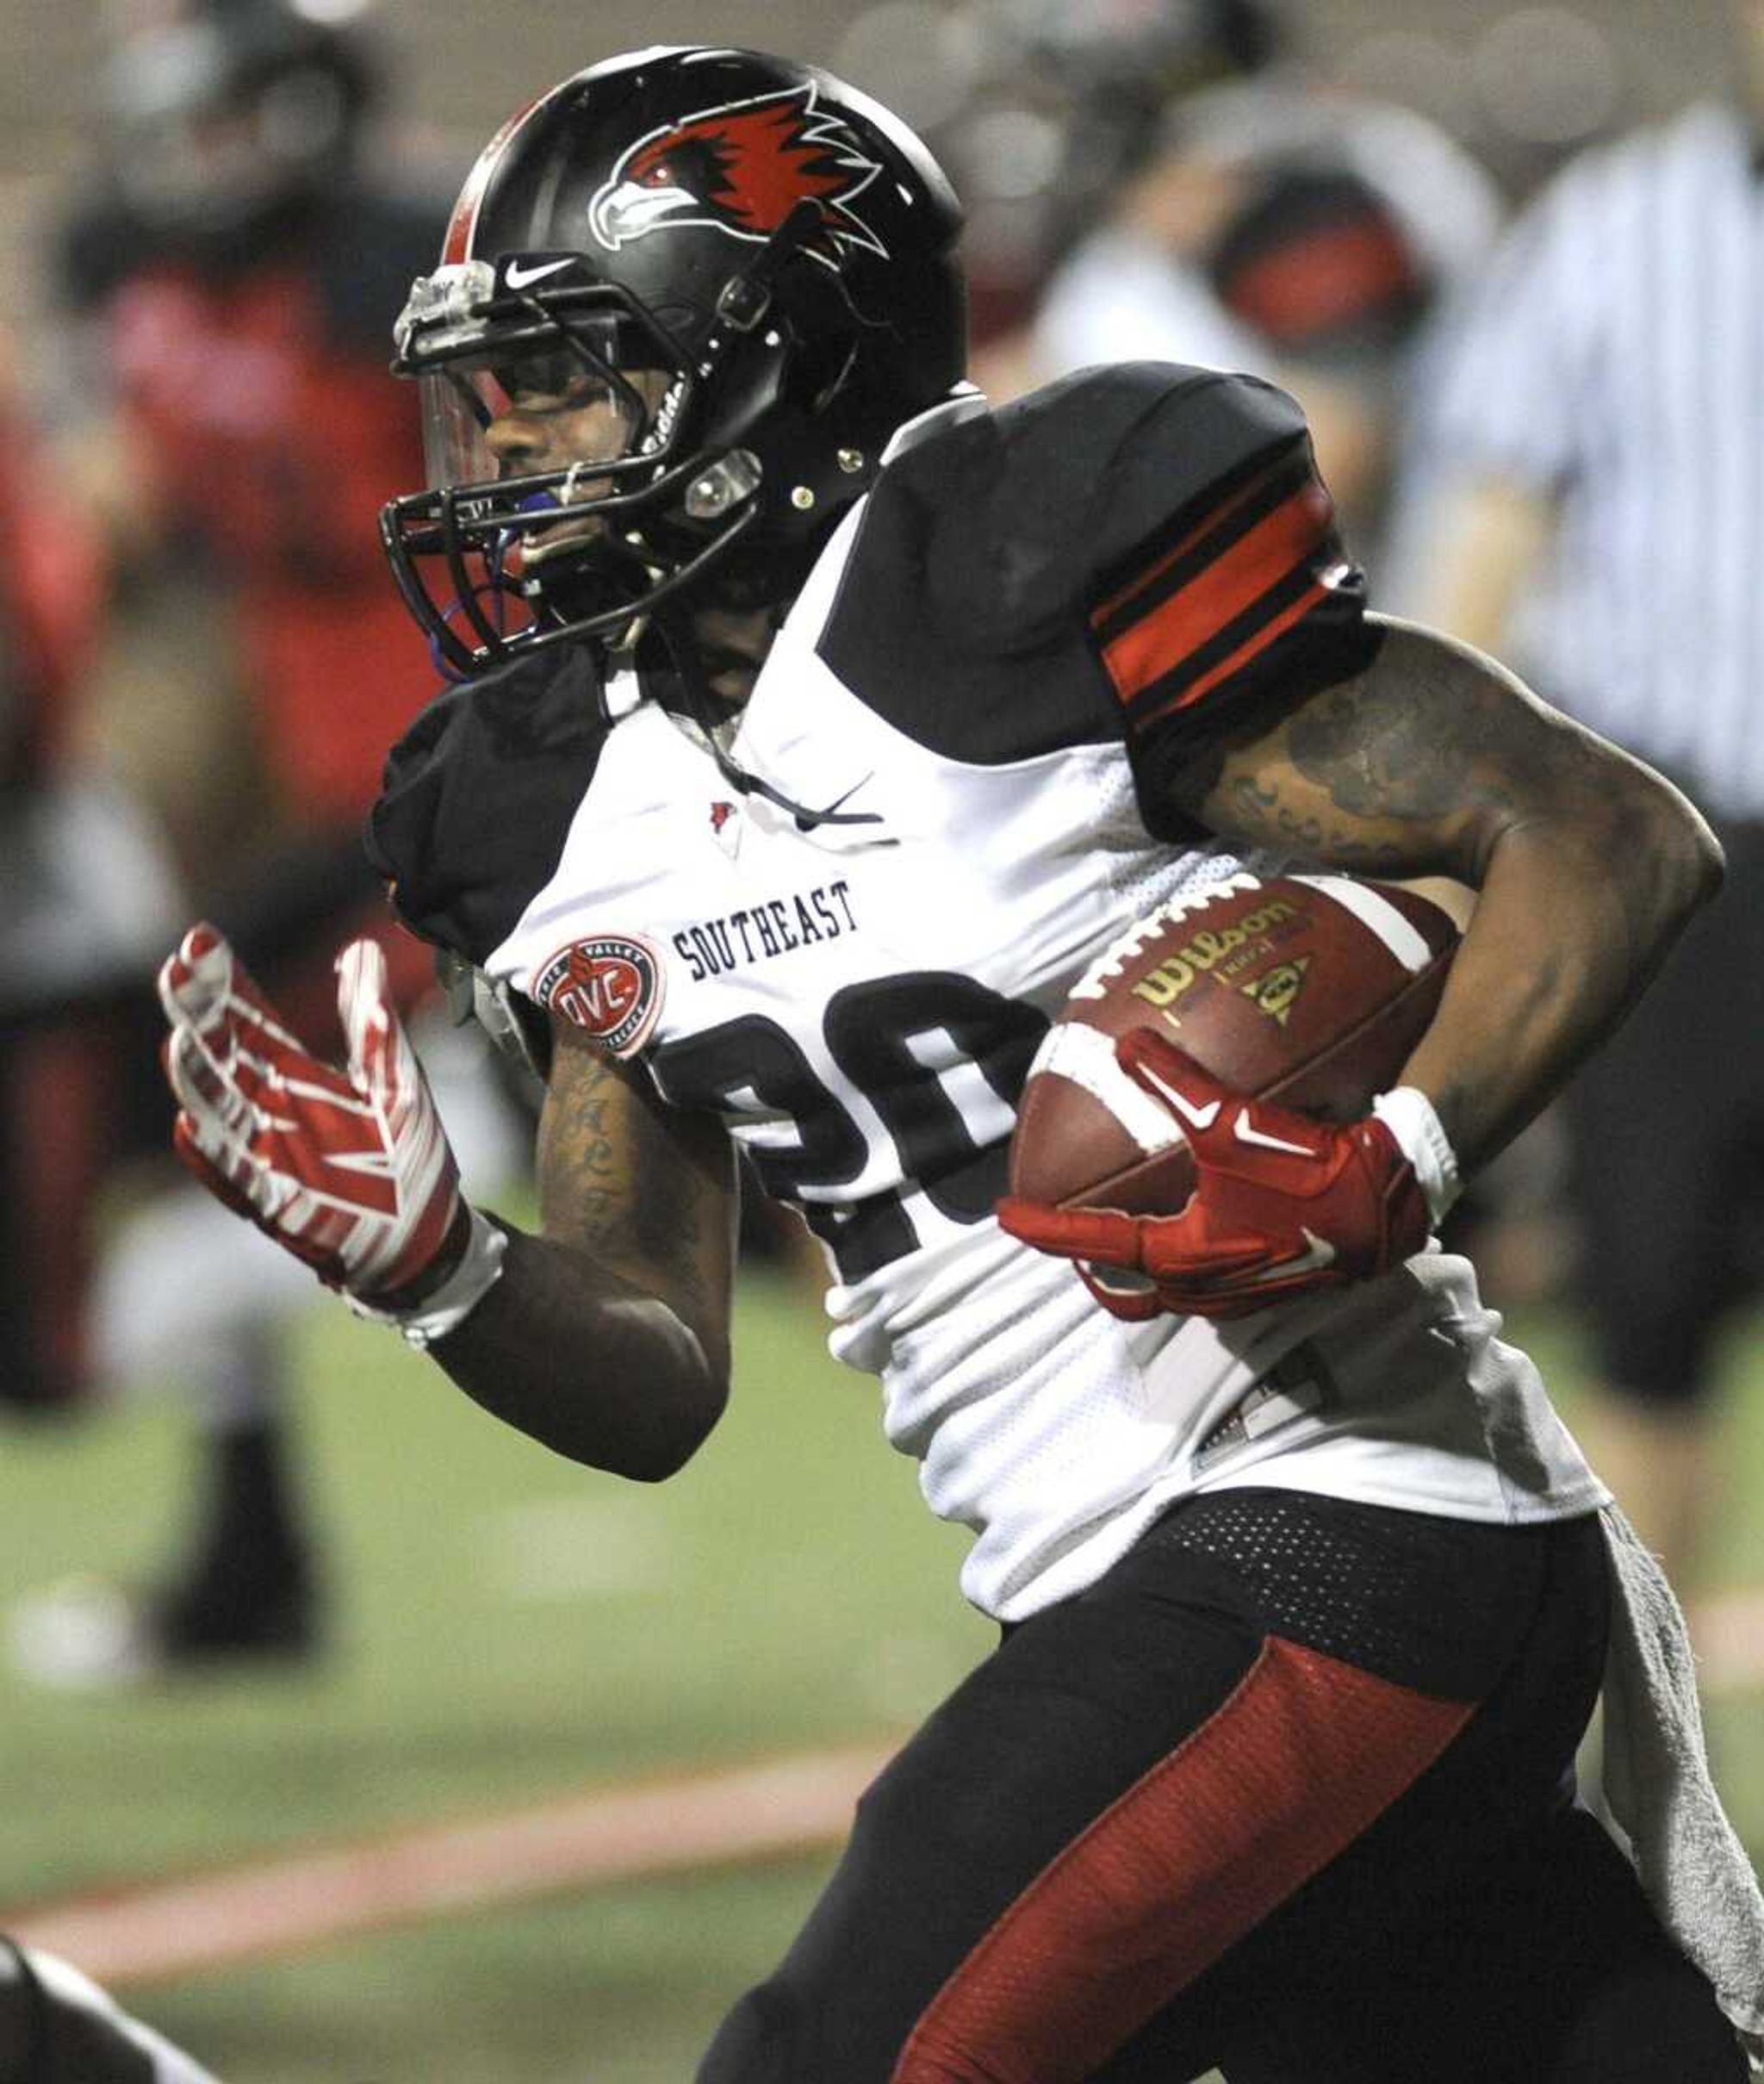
1590 467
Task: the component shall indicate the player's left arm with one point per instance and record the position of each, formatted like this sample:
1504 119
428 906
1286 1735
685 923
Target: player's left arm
1435 760
1431 761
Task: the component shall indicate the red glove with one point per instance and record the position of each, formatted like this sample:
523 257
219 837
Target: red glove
1283 1204
348 1168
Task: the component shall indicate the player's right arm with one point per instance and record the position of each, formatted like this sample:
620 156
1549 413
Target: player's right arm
607 1335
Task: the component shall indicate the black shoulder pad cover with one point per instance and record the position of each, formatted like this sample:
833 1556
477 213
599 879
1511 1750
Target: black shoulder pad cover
962 614
1036 505
478 795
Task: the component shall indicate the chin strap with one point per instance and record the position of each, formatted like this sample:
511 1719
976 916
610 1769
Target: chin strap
738 777
746 298
699 706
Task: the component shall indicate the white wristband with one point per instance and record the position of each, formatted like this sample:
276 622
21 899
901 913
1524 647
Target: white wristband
453 1302
1408 1114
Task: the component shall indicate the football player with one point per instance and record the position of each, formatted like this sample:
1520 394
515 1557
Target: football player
815 726
58 2027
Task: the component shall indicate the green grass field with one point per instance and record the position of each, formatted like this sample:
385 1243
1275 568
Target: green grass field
508 1628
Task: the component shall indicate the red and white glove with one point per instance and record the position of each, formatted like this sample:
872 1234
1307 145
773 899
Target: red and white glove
1283 1204
348 1167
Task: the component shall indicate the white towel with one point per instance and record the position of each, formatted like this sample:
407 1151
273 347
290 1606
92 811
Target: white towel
1693 1868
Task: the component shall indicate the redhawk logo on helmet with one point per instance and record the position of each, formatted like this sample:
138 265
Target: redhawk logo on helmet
740 169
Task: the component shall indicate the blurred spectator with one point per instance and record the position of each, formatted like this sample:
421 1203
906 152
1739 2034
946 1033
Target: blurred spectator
1590 500
1524 90
231 277
1265 224
1059 102
89 898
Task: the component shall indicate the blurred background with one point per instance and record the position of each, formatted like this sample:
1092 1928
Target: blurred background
269 1590
1520 85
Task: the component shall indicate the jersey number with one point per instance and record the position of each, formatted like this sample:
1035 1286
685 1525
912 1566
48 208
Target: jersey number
908 1045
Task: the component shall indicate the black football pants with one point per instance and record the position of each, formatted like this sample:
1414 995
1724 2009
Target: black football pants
1288 1792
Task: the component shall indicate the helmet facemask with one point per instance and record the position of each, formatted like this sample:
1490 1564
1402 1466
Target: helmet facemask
526 538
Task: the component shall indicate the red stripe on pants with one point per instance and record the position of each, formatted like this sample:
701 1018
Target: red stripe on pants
1305 1754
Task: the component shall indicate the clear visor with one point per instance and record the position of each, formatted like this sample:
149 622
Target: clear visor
485 424
545 405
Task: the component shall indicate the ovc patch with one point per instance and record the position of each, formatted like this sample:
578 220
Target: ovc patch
610 985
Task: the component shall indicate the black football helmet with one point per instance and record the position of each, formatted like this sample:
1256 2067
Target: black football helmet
751 262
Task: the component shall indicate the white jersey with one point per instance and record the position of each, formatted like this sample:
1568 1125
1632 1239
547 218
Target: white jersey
856 968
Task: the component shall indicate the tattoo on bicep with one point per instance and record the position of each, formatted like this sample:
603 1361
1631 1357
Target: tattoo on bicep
613 1183
1371 773
1262 811
583 1173
1408 742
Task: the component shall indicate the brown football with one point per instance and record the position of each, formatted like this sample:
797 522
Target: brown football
1307 989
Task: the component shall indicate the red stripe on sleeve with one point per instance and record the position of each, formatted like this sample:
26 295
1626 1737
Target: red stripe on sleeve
1192 692
1225 508
1226 588
1306 1754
